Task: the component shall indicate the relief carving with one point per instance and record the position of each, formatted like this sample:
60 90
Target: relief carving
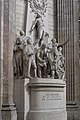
38 6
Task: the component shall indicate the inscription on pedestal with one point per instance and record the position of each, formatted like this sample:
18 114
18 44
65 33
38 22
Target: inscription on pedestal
47 100
50 97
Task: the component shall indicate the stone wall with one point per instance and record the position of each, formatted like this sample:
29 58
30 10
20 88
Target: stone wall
50 18
1 53
21 15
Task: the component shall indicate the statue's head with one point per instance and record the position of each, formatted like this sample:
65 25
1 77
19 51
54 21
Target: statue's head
43 46
22 33
18 41
53 40
60 48
29 41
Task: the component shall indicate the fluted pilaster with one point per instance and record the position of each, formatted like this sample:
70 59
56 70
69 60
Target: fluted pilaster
8 109
1 53
67 12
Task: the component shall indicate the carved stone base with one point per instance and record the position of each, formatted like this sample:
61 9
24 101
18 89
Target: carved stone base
47 99
9 112
47 115
73 111
21 97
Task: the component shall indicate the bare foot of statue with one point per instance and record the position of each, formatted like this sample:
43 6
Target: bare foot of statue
35 76
52 77
29 77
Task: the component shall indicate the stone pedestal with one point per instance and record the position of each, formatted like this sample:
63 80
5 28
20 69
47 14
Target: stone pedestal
21 97
47 99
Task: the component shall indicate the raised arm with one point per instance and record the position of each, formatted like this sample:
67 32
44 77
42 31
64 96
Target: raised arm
33 25
64 43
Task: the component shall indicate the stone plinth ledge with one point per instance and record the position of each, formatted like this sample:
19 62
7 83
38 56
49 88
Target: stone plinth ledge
46 82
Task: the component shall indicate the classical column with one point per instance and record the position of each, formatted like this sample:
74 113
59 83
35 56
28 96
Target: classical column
8 108
67 14
1 52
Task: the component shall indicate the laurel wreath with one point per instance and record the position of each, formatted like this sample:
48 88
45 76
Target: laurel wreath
38 8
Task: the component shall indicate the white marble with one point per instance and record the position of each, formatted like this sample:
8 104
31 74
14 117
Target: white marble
47 99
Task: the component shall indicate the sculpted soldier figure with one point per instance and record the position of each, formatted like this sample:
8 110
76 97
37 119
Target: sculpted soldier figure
29 57
42 61
53 56
18 59
60 64
23 37
54 45
39 26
